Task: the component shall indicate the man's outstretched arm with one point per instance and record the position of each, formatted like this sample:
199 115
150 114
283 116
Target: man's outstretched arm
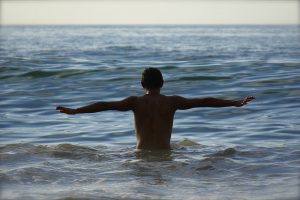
123 105
184 103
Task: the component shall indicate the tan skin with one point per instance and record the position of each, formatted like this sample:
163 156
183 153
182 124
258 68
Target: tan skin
154 114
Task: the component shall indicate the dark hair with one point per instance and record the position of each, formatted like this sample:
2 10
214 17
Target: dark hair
152 78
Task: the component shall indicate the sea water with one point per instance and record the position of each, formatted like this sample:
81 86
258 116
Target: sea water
250 152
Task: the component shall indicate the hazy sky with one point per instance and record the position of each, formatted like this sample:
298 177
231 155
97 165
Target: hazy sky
149 11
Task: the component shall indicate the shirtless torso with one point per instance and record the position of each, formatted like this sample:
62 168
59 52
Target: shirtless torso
154 114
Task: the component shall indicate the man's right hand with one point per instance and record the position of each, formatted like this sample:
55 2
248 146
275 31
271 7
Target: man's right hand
244 101
65 110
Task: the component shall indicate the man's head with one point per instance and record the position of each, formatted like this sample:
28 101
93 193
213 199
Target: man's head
152 78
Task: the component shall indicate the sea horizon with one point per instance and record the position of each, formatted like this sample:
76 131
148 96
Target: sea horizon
156 24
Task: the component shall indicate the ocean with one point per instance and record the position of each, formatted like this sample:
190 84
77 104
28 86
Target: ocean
233 153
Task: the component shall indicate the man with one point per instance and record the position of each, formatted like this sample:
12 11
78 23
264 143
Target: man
154 112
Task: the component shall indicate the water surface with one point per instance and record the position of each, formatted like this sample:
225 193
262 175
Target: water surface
218 153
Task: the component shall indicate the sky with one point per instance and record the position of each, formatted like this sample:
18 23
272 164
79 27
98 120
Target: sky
149 12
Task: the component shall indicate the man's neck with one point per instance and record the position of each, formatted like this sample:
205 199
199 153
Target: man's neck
153 92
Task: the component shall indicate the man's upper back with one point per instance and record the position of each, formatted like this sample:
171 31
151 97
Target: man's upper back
153 116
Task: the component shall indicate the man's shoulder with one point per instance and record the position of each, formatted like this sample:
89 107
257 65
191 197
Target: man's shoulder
174 97
165 97
131 98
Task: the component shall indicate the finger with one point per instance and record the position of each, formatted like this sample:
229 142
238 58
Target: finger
244 102
251 97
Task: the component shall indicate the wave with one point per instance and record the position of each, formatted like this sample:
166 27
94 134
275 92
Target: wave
68 151
10 72
36 74
39 74
104 73
73 151
61 166
100 153
203 78
59 73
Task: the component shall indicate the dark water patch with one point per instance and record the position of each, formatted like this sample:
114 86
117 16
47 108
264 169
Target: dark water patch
65 73
44 74
275 136
203 78
226 153
169 67
35 74
120 79
124 48
4 69
8 72
84 197
272 81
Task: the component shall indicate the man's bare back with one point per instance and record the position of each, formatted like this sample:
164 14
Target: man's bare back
154 112
153 116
